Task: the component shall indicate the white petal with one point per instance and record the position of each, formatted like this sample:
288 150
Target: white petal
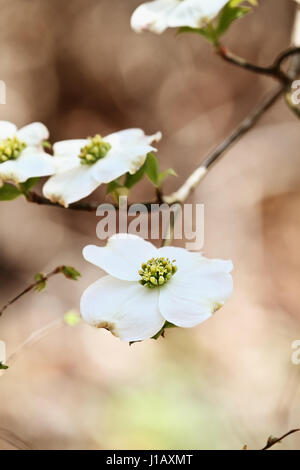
193 12
7 129
127 309
153 15
70 147
190 298
128 153
122 256
71 185
184 260
66 154
30 164
33 134
130 136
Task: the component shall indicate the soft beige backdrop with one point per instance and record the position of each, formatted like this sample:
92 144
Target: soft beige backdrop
79 68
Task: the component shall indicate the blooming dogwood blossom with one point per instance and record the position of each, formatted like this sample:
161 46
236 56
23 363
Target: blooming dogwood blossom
83 165
21 152
146 286
158 15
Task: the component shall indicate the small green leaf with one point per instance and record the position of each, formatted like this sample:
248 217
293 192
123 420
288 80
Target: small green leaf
208 32
70 273
272 440
3 366
152 168
113 186
162 176
47 145
29 184
72 318
232 11
132 180
237 3
41 282
39 277
228 15
9 192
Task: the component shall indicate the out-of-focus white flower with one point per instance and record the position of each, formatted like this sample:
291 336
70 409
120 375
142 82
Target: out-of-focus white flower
146 286
158 15
21 152
2 352
82 165
2 357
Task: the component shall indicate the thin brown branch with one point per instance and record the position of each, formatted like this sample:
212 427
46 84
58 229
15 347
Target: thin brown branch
34 285
274 70
81 206
294 69
13 440
35 337
248 123
274 440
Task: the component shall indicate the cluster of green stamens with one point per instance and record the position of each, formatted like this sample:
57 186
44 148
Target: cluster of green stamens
96 149
10 149
157 272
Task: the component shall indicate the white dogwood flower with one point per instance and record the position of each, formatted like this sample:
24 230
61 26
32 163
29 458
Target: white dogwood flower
146 286
21 152
158 15
83 165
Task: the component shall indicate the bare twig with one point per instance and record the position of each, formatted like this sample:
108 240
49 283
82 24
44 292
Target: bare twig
12 439
43 278
274 70
294 69
248 123
274 440
35 337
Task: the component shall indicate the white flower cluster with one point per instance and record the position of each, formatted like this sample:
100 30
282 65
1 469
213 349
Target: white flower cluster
158 15
145 289
77 167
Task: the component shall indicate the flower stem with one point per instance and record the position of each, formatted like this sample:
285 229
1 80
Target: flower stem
35 337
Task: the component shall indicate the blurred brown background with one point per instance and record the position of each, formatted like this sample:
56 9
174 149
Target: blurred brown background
78 67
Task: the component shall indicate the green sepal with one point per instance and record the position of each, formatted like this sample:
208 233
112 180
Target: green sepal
28 185
162 331
9 192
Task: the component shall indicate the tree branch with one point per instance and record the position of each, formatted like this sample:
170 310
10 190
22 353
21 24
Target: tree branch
43 278
82 206
275 71
248 123
35 337
274 440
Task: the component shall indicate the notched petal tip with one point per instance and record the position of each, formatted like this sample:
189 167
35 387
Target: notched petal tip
57 200
107 326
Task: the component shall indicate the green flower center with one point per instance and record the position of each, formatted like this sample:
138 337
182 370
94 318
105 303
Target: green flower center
157 272
96 149
11 148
